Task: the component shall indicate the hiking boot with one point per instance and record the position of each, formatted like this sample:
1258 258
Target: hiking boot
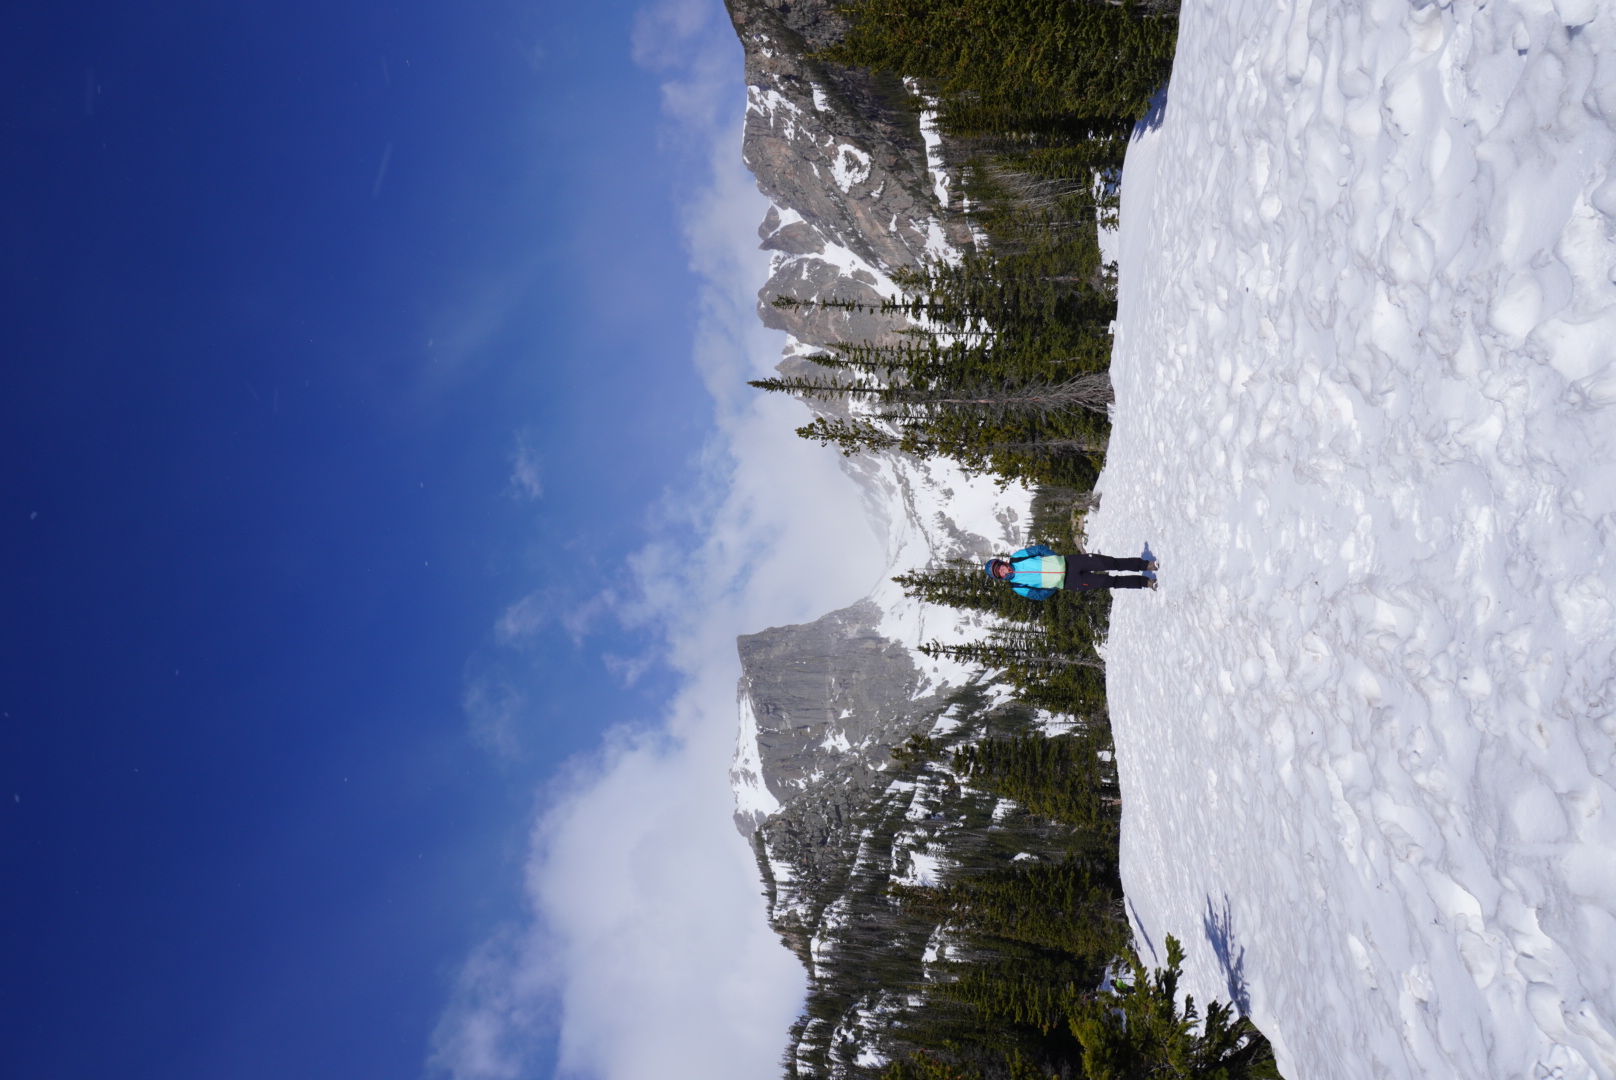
1152 585
1153 565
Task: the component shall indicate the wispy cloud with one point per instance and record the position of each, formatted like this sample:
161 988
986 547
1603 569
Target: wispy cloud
494 704
522 619
526 480
647 952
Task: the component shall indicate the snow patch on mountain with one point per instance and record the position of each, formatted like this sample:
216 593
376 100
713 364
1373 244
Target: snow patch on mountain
932 135
1365 368
851 166
753 799
931 511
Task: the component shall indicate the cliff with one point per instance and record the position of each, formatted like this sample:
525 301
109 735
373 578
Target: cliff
859 186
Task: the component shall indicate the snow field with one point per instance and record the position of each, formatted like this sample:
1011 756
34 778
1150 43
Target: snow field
1365 389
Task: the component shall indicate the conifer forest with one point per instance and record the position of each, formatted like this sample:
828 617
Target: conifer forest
1030 969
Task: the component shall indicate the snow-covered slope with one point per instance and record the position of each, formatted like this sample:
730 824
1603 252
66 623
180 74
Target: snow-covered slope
1366 417
856 181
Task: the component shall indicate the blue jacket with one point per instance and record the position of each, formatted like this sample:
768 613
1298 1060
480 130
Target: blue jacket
1036 572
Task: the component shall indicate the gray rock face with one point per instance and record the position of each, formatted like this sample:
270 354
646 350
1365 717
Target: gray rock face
798 238
830 692
829 700
842 153
842 156
832 816
811 122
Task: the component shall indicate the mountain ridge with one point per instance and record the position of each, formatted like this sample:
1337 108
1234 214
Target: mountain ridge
858 188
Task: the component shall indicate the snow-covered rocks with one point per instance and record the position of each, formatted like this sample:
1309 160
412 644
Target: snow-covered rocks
1366 417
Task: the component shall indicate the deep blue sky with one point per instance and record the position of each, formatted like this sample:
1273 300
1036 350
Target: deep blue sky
282 289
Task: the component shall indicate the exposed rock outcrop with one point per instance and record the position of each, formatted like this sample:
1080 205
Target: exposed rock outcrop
858 189
843 156
828 700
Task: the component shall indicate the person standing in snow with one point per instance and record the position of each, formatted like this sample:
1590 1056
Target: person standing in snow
1037 572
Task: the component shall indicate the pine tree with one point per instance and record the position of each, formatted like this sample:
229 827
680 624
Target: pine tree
924 1066
1005 371
967 586
1138 1032
1071 907
1044 60
1046 649
901 402
1068 778
1003 368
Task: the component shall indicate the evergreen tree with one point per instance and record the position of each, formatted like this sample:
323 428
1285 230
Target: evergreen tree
1039 62
1137 1032
967 585
1005 370
924 1066
1068 778
1046 649
1072 907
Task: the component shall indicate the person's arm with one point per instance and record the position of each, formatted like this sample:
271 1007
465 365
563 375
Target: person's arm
1038 549
1032 592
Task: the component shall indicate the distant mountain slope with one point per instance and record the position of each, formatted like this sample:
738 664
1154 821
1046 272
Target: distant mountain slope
857 189
843 158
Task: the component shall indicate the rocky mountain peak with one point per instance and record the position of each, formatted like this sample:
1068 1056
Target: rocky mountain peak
858 188
843 156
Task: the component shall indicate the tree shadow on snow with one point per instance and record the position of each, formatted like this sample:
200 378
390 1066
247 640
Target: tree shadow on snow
1219 927
1138 926
1154 115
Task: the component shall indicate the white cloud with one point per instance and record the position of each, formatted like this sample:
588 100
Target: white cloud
522 618
526 481
647 952
494 705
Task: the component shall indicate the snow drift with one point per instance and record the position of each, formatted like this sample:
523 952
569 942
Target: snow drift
1365 419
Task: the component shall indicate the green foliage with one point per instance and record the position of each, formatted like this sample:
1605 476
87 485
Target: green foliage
1017 65
1036 937
1025 660
1042 95
869 957
965 585
1030 936
1029 940
1056 513
923 1066
1068 907
1005 371
1017 995
1138 1032
1047 650
1005 367
1069 778
918 750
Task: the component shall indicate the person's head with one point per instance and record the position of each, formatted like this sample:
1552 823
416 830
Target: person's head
997 569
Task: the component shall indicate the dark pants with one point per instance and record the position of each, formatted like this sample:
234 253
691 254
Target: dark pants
1102 562
1080 572
1105 581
